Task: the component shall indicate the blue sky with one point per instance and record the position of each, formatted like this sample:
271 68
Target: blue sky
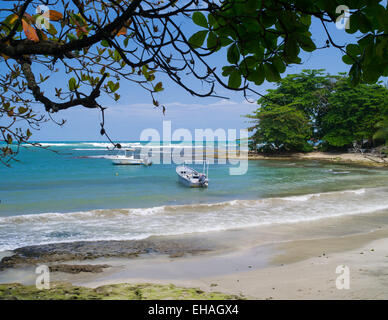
134 112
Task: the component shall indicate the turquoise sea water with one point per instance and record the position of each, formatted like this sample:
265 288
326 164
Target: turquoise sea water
76 193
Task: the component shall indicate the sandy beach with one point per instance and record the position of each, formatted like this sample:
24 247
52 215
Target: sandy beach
339 157
312 278
285 261
294 269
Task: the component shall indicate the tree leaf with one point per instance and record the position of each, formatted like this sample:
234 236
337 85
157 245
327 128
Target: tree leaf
306 43
197 39
353 24
71 36
235 79
353 50
212 41
10 20
200 19
257 75
29 31
158 87
252 5
22 110
354 74
291 50
271 74
225 41
122 31
233 54
126 41
81 30
72 84
105 43
52 30
250 61
227 70
113 86
347 59
53 15
279 64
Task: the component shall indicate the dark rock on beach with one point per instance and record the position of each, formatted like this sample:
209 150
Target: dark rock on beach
89 250
71 268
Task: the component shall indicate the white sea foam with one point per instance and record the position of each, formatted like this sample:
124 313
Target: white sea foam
139 223
47 144
104 156
109 213
87 149
304 197
307 197
358 191
104 145
147 211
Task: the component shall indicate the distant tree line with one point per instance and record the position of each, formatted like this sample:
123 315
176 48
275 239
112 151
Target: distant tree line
316 109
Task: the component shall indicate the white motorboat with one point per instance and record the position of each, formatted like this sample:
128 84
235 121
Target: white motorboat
192 178
128 158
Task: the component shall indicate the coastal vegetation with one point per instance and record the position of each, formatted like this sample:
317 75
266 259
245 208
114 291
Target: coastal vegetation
314 108
122 291
97 47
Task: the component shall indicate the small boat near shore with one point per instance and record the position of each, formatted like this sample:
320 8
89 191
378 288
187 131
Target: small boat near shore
192 178
128 158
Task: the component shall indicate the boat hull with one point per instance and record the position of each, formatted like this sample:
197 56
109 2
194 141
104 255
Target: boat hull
127 162
188 182
131 161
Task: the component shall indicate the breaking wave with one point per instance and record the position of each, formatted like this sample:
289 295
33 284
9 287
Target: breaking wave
139 223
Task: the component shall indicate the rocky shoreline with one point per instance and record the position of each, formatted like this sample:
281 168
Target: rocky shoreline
345 158
56 253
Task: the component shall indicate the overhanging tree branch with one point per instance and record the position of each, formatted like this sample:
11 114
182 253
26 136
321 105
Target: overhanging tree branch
51 106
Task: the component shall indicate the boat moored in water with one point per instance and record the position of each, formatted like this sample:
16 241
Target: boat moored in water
128 158
192 178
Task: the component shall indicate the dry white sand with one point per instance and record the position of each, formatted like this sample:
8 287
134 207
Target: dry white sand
315 278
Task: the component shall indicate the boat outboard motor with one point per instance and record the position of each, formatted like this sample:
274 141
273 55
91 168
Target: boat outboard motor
202 179
147 161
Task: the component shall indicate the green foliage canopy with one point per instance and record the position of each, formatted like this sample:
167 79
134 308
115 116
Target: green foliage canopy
263 37
353 113
282 128
319 107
